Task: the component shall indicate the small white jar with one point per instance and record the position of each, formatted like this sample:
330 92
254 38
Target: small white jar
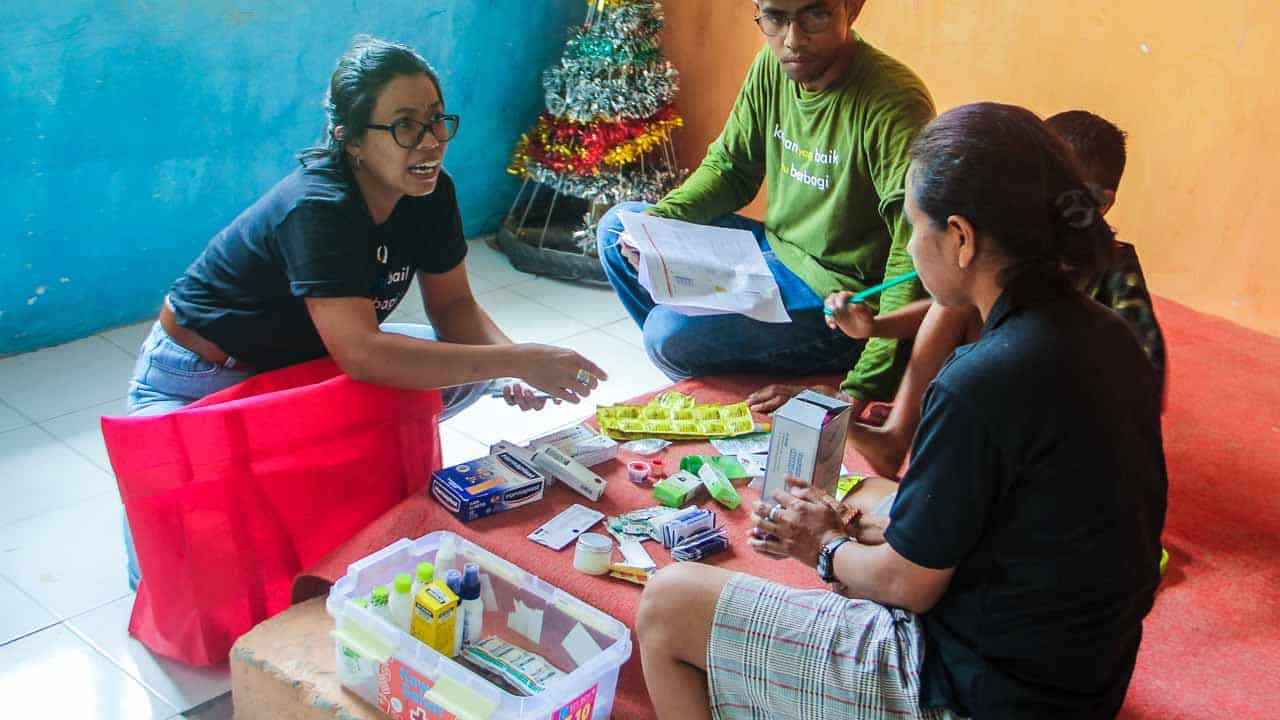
593 554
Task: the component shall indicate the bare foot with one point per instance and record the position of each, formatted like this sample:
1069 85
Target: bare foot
881 446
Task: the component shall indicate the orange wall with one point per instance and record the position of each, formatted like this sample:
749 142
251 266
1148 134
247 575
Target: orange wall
1193 83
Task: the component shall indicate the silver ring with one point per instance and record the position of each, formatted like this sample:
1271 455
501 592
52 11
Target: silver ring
583 377
773 513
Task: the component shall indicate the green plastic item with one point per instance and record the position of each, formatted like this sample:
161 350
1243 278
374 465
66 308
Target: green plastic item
719 486
379 596
426 572
729 465
691 463
402 584
362 602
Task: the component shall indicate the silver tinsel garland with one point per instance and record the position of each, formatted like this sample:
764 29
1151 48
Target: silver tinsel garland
614 187
584 88
612 70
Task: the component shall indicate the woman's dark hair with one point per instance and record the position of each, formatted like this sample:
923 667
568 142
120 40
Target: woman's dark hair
361 75
1017 183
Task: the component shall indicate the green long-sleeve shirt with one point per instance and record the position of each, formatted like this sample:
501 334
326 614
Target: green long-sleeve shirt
834 163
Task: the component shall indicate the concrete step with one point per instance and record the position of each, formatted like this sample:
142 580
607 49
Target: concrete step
283 669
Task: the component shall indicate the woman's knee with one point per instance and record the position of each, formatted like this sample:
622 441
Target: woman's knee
678 606
665 593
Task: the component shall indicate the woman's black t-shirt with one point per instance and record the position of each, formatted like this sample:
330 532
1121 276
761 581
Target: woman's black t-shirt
1038 474
311 236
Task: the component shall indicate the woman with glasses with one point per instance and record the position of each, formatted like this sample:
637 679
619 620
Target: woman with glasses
319 262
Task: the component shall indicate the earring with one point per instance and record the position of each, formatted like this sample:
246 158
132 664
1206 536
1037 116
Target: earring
359 162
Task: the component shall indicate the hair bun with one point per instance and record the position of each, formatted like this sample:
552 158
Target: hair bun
1078 208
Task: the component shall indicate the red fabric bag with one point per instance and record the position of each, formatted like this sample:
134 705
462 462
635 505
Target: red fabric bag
231 497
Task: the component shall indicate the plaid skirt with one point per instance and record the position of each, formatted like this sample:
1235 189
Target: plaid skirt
777 652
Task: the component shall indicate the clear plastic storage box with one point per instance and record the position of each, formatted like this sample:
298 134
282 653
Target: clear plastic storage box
407 679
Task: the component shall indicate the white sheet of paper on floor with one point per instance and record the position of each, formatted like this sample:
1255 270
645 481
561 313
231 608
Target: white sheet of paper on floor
526 621
564 528
634 554
580 645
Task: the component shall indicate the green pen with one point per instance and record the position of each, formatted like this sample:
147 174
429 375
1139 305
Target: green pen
876 290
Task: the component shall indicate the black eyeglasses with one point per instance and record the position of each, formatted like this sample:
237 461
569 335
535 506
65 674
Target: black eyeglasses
408 133
811 20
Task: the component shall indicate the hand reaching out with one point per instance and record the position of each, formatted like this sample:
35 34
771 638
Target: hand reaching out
559 372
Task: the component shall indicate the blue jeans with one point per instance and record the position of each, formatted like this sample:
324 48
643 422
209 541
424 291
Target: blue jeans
168 376
684 347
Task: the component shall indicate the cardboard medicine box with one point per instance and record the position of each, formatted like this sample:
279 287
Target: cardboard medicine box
581 443
807 442
478 488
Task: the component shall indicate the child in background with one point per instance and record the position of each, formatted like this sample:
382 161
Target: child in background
1121 286
1100 146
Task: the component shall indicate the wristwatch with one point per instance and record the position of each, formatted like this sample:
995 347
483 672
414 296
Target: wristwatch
826 555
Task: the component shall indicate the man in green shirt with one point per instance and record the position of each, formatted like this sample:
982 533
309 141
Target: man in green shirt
825 120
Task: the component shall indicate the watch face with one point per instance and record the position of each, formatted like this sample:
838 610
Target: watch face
826 555
824 564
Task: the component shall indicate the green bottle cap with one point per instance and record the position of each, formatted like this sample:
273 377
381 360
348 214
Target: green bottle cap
379 595
402 584
426 573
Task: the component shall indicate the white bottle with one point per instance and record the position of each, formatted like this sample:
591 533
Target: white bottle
472 606
401 603
423 575
453 579
445 555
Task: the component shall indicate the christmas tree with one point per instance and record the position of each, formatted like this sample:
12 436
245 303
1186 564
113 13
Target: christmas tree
606 134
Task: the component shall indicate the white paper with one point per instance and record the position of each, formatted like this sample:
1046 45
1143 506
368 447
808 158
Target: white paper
702 269
526 621
634 554
580 645
743 444
756 465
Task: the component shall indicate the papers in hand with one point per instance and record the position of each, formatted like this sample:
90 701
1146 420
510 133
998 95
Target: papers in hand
703 270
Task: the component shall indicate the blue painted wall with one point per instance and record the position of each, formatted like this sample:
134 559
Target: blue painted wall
133 130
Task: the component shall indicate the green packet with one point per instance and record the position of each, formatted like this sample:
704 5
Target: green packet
675 490
727 464
714 479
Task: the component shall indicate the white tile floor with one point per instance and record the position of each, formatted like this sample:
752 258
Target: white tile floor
64 602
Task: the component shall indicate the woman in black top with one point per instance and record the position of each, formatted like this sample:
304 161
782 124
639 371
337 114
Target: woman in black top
316 264
1010 576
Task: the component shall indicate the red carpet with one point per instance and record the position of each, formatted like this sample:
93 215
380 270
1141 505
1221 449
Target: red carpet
1212 643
